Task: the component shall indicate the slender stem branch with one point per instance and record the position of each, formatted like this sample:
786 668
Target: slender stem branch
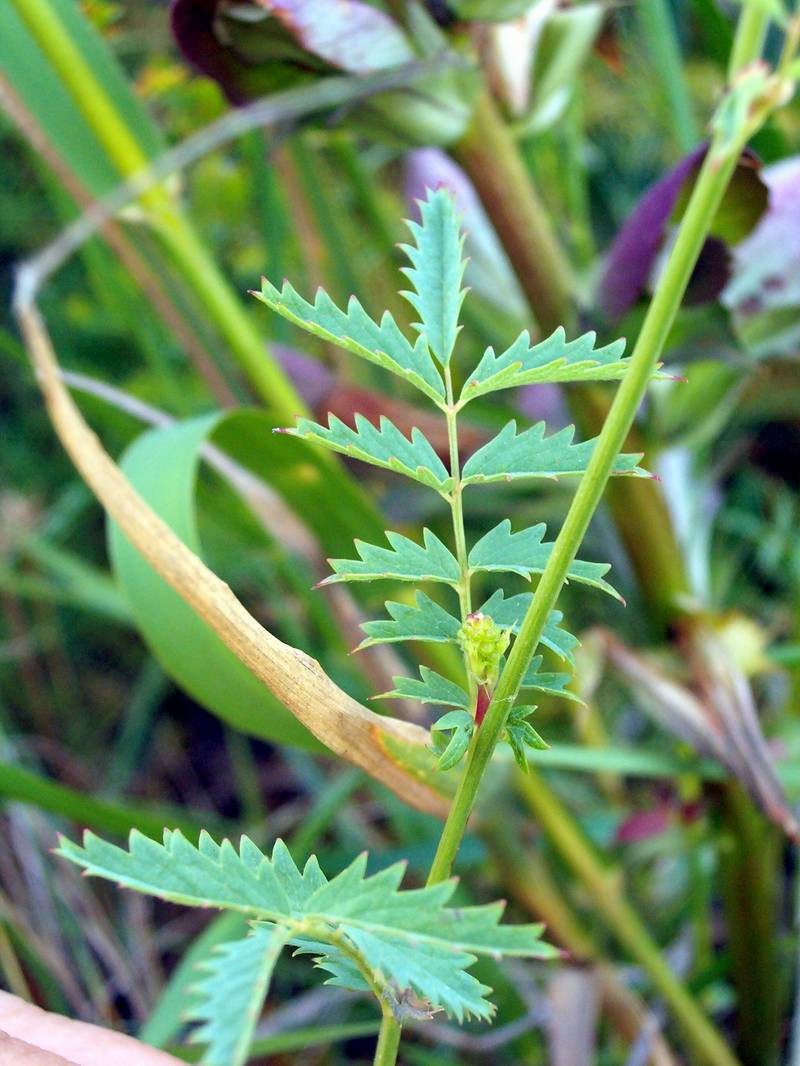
388 1039
751 32
190 254
456 498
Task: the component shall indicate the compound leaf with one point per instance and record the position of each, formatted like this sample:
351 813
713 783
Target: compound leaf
426 620
436 271
510 455
407 941
550 683
228 999
509 612
432 688
525 553
386 447
554 359
404 561
356 332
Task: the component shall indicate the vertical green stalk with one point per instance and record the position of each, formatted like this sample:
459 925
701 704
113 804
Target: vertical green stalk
456 499
750 853
658 28
188 252
488 153
751 32
388 1039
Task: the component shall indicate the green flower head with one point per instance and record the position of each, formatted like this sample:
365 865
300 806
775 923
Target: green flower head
484 643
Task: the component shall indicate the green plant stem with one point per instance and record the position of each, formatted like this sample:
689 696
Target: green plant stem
751 32
489 154
750 854
388 1040
705 200
456 499
604 884
658 28
188 252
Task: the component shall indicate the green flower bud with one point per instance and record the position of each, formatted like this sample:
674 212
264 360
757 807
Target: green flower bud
484 644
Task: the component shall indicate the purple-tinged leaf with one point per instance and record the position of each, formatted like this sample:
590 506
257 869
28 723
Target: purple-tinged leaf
348 34
635 253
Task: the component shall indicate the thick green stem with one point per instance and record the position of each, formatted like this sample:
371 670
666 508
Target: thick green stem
489 154
707 1045
751 33
189 253
388 1040
750 854
705 200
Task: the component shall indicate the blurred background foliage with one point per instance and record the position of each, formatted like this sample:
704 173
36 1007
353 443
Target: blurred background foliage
107 680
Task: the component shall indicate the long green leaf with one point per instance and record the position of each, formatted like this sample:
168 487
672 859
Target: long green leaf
228 999
405 560
554 359
526 553
353 330
38 84
436 271
386 447
530 454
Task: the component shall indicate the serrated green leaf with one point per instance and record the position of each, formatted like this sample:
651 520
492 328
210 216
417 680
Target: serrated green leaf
514 740
554 359
509 612
432 688
526 553
404 561
460 725
353 330
228 999
395 934
510 455
436 272
424 621
386 447
551 683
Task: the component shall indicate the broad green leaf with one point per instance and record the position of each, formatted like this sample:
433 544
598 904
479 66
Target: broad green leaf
510 611
549 683
163 465
38 84
355 331
436 272
426 620
433 688
404 561
386 447
410 939
229 997
525 553
510 455
553 359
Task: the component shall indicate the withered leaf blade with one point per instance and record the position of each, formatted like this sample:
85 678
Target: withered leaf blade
719 719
